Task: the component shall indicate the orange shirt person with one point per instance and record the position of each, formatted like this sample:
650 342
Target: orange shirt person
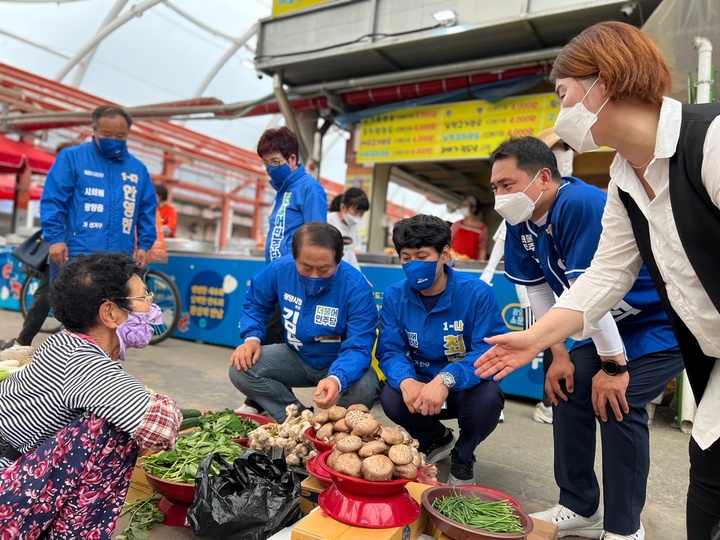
167 213
470 234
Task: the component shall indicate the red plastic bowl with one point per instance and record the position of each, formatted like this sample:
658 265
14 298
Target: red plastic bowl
384 512
314 468
321 446
174 491
360 486
261 420
458 531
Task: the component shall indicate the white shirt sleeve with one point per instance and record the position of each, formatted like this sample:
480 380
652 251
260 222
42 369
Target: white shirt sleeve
613 271
496 254
541 298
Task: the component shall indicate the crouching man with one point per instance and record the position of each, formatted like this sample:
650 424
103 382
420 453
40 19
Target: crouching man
329 318
432 328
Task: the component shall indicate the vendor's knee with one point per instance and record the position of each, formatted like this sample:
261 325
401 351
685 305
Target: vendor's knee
240 379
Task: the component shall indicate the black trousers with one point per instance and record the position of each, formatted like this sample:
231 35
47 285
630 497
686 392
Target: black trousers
703 500
38 311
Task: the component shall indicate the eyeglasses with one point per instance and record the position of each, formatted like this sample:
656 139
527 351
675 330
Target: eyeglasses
148 297
274 163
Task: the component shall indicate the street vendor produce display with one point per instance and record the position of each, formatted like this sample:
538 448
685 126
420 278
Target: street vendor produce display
286 440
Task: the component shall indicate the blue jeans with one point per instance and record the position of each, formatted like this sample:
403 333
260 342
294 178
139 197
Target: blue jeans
625 445
270 381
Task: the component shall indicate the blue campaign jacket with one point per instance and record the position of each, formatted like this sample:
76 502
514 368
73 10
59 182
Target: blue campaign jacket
94 204
335 328
561 250
299 200
415 344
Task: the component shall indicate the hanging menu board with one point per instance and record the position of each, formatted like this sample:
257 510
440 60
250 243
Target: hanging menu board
467 130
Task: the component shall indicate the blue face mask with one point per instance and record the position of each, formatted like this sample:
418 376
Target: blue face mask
278 175
315 285
112 148
421 274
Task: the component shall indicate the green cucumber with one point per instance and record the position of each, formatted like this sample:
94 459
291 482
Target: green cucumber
190 413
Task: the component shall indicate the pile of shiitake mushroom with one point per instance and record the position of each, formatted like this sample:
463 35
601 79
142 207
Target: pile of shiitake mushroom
363 447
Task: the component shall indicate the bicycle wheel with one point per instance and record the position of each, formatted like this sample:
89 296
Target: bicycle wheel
51 324
167 297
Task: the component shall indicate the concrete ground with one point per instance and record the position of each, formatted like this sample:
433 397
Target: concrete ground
516 458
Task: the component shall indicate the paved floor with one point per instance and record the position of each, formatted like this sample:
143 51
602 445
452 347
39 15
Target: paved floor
516 458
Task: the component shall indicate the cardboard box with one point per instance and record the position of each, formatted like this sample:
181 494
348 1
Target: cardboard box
139 487
318 526
542 530
311 490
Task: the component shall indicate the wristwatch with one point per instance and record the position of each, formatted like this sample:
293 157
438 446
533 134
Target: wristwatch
447 379
612 368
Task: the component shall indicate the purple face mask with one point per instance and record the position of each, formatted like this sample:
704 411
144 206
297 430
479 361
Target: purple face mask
137 330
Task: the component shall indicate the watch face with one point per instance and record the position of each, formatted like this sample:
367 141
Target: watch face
613 368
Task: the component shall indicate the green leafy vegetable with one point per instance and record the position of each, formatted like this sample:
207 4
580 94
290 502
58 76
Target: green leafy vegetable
144 514
181 464
228 423
491 516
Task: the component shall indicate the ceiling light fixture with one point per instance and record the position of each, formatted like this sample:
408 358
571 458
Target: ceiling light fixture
445 17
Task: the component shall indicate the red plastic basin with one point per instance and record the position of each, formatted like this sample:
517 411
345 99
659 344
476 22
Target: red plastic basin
321 446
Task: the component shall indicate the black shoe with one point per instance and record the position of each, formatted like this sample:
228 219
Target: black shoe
461 472
440 447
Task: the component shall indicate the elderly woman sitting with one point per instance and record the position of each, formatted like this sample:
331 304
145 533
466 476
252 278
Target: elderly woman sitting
72 421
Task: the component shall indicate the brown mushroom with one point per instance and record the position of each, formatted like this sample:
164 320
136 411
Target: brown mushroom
332 457
367 425
349 463
358 407
400 454
406 471
372 448
341 426
377 468
391 435
325 432
336 413
351 443
352 418
320 417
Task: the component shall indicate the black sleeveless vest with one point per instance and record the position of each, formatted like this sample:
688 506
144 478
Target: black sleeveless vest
698 224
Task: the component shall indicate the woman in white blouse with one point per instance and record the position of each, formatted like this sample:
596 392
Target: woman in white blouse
662 208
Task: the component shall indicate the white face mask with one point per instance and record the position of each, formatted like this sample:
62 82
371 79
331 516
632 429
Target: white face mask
565 161
516 207
574 123
350 220
465 211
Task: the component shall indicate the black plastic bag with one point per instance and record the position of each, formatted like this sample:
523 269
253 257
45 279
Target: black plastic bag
251 499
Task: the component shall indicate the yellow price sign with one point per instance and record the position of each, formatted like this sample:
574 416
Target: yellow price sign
467 130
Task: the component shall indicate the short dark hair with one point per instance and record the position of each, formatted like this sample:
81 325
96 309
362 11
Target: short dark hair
356 198
106 111
161 192
420 231
86 282
278 140
318 234
530 153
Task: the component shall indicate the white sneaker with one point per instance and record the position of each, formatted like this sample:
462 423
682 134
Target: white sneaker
543 414
247 409
571 524
637 535
502 417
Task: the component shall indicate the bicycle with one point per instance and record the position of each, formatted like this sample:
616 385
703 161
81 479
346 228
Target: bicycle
166 293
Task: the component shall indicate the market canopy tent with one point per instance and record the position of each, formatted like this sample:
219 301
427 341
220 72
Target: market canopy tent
7 189
15 157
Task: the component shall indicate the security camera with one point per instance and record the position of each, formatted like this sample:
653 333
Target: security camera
628 9
259 75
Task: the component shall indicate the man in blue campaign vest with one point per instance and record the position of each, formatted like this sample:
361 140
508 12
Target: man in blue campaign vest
98 197
554 226
329 317
432 329
300 198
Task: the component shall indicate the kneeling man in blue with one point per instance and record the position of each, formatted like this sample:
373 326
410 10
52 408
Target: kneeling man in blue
432 328
329 317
